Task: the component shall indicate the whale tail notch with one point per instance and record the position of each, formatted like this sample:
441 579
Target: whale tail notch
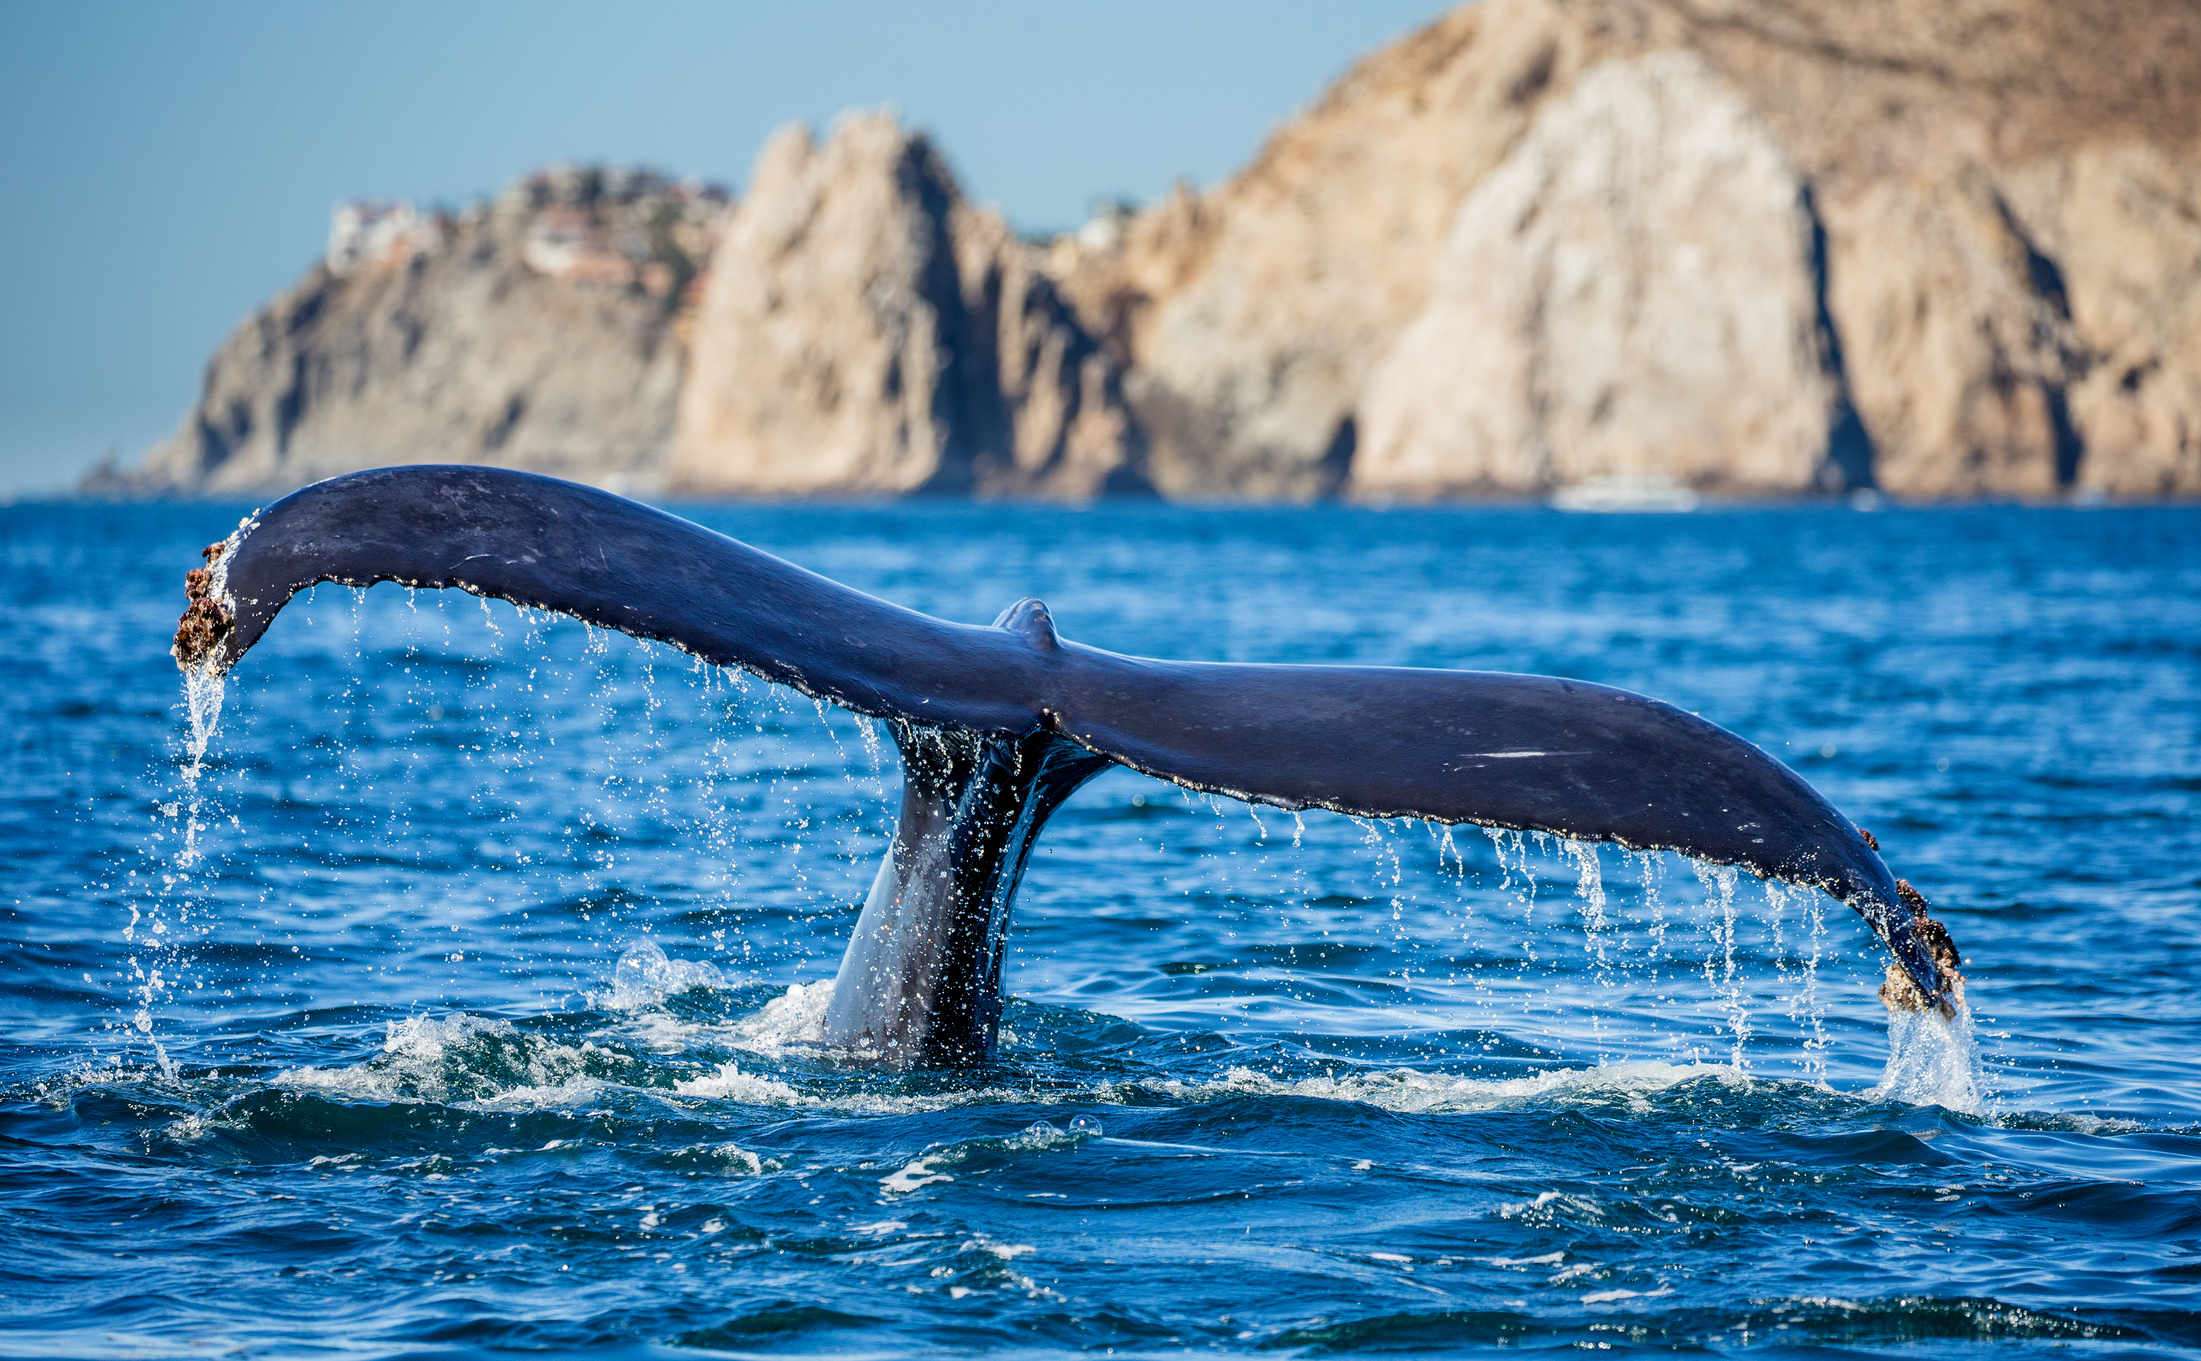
998 724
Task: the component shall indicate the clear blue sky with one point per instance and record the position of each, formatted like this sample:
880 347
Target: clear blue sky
168 166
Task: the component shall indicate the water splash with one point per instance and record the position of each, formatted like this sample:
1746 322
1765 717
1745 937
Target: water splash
203 692
1719 961
794 1018
646 976
1589 887
1419 1091
1805 1006
155 931
481 1061
1934 1062
1535 991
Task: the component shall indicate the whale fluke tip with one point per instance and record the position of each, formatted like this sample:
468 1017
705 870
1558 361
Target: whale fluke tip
1900 992
207 622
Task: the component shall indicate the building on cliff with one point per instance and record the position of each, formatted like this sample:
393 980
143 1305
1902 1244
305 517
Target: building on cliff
1757 247
364 233
542 330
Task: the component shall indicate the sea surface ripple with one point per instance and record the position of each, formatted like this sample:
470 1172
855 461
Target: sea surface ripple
453 1003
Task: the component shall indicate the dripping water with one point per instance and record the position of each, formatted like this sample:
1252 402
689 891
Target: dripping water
156 938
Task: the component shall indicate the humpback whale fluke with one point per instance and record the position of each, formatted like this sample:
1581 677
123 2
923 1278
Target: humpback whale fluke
997 725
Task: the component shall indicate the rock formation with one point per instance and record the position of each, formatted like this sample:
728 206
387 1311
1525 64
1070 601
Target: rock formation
539 332
1990 209
2011 196
1254 314
1950 248
868 332
1631 292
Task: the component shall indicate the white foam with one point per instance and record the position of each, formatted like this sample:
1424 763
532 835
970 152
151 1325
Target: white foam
660 1031
1548 1259
729 1083
794 1020
1579 1205
442 1059
428 1037
1404 1090
732 1158
480 1061
796 1016
916 1176
1007 1252
1412 1091
562 1096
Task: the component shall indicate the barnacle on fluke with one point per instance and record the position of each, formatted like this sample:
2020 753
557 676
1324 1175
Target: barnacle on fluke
206 620
1899 992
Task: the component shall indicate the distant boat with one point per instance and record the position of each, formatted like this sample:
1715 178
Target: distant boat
1626 492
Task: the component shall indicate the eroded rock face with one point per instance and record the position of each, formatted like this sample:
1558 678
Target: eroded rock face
1633 291
867 332
1256 313
450 347
2002 191
2036 332
2125 221
2008 190
1960 358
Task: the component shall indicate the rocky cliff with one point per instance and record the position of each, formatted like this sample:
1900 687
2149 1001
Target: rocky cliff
539 331
1760 247
867 331
1763 246
1629 293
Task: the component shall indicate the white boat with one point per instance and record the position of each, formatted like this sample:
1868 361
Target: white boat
1626 492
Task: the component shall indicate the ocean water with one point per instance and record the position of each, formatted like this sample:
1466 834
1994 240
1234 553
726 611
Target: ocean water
450 1001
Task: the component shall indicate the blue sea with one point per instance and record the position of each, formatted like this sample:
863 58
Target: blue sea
445 993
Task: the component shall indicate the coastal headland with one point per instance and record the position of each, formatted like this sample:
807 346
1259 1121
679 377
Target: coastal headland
1777 249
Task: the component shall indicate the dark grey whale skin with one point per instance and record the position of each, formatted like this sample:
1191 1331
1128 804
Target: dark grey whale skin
998 724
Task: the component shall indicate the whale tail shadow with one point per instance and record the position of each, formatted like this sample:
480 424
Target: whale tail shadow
998 724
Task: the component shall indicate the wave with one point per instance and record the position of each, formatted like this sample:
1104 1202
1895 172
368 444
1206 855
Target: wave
642 1048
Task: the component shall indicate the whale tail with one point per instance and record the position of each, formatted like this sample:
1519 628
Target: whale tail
998 724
